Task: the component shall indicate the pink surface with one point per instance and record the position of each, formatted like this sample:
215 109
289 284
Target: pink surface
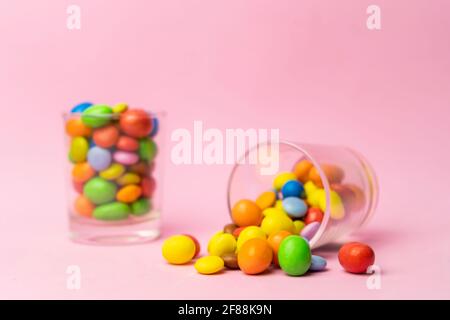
310 68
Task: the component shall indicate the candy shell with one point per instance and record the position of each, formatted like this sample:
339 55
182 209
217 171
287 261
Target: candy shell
209 265
76 128
229 228
221 243
295 207
106 137
126 143
246 213
237 231
313 215
179 249
78 186
125 158
81 107
356 257
112 211
282 178
298 226
99 190
78 149
266 199
99 158
82 172
129 193
293 188
255 256
333 173
141 207
136 123
317 263
275 240
301 170
148 186
147 149
310 230
113 172
96 116
197 244
83 206
128 178
294 255
141 168
120 108
337 210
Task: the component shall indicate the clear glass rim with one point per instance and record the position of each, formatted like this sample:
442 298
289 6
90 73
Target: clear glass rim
114 116
309 157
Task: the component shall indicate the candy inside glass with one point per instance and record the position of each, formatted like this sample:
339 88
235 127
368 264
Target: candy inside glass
127 217
357 186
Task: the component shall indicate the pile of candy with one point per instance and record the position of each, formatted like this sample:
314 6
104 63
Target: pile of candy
112 152
277 227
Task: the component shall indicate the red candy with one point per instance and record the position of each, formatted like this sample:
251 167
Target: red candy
136 123
148 186
356 257
127 144
313 215
106 137
78 186
197 244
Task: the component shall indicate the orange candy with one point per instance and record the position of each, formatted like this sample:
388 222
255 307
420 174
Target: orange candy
255 256
127 144
129 193
84 207
136 123
76 128
333 173
82 172
246 213
106 137
274 241
302 169
266 200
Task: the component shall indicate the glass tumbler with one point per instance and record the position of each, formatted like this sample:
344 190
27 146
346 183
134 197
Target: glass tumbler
114 174
337 180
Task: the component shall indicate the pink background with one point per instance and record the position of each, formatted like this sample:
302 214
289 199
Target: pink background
310 68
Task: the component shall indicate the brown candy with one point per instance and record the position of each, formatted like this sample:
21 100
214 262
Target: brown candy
230 260
229 228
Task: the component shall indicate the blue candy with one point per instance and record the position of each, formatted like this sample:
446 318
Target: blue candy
295 207
317 263
81 107
155 126
99 158
293 188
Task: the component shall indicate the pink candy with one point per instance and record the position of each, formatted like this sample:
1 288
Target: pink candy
125 158
310 230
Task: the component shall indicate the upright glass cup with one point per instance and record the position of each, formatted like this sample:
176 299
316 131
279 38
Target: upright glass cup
356 185
129 218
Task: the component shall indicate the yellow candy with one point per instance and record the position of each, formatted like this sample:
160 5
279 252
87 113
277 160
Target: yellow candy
209 264
79 149
113 172
250 233
266 199
274 211
120 107
310 188
129 178
298 226
337 210
179 249
313 198
277 222
221 243
282 178
279 204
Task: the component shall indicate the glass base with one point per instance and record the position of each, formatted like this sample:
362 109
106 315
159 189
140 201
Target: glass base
129 232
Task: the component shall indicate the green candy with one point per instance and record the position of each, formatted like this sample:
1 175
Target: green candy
141 207
78 149
294 255
112 211
147 149
97 116
99 190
